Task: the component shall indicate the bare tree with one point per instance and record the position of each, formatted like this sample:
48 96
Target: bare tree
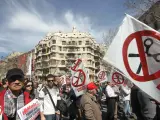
139 7
109 35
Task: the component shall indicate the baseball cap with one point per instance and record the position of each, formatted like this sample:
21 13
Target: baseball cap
14 72
91 86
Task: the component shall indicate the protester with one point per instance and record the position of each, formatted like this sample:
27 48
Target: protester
69 95
116 90
142 105
29 87
36 90
125 93
89 105
147 105
48 109
13 98
111 98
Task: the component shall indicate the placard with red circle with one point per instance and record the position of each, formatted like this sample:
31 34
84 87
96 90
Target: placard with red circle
117 78
102 75
138 37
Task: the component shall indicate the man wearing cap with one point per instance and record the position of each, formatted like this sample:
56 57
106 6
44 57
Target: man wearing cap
13 98
89 105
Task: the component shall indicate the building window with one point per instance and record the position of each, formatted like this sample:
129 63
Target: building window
53 62
53 41
64 49
60 48
62 62
53 47
61 55
80 42
73 43
53 55
88 56
63 42
79 55
83 49
87 42
69 43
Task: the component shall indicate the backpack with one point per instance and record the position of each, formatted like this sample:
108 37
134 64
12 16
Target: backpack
64 104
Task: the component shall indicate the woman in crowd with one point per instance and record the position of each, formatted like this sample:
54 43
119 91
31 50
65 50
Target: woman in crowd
29 87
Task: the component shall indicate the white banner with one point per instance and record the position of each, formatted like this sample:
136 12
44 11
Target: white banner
80 78
30 111
135 52
29 71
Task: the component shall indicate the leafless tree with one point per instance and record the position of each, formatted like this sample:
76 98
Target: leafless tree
109 35
138 7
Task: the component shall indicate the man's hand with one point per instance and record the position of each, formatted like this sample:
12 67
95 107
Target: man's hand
57 112
43 118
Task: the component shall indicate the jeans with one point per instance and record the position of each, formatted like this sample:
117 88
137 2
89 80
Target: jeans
50 117
127 108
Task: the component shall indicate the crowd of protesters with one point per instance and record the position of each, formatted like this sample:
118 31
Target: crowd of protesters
59 102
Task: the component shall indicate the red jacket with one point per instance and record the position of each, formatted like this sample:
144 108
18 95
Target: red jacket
2 93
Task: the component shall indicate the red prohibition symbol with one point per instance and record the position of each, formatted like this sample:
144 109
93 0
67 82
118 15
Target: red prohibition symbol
79 80
117 78
102 75
138 37
158 87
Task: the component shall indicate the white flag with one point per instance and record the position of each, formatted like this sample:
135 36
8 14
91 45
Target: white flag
80 78
135 51
29 72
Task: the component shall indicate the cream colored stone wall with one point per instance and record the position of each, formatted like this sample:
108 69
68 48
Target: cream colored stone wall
64 48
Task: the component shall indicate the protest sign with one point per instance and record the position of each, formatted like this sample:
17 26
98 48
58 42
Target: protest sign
80 77
30 111
102 76
137 55
63 79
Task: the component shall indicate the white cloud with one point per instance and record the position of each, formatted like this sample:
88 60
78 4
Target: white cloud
28 25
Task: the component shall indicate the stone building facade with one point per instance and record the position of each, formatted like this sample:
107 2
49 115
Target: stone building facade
16 60
58 51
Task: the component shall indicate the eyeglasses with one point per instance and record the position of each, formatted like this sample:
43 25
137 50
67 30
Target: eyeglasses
50 80
14 78
28 85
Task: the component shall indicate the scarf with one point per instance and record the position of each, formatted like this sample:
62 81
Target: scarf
10 108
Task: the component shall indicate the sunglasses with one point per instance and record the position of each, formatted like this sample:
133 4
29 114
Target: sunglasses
50 80
14 78
28 85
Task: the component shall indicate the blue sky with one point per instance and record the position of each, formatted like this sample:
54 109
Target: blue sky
25 22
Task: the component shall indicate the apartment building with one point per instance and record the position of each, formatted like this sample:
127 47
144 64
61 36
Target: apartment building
59 50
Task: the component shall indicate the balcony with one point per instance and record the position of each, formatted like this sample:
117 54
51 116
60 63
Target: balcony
89 66
72 50
97 67
70 57
71 44
88 44
53 65
38 68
